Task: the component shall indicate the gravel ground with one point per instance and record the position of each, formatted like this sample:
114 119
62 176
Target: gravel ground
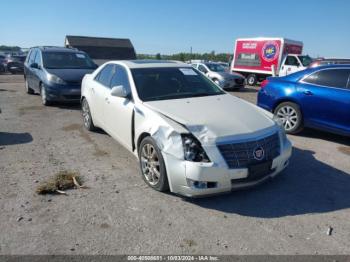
119 214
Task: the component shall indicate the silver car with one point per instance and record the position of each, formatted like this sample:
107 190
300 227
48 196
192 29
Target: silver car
220 76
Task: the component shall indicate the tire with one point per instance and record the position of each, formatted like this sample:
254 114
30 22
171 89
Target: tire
28 89
252 79
151 159
87 118
290 115
44 100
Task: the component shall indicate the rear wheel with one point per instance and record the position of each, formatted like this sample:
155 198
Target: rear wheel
152 165
252 79
88 123
290 115
28 89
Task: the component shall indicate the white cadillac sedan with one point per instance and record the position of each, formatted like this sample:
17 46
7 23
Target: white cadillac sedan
188 134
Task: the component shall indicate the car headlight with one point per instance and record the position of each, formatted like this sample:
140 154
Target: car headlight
55 79
193 150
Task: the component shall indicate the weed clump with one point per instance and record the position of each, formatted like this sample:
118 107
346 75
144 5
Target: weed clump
62 181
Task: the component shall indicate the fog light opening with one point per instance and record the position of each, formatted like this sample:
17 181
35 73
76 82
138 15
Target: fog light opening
201 184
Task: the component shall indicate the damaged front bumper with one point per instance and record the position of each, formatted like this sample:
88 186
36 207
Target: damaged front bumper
194 179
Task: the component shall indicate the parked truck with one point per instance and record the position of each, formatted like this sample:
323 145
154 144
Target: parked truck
258 58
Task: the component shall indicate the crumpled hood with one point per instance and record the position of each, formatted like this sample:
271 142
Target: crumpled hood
70 75
213 117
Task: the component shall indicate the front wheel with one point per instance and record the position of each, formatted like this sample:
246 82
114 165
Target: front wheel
43 95
290 116
152 165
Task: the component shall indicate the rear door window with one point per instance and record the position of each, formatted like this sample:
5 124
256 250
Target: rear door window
202 69
330 77
28 56
105 75
38 58
32 57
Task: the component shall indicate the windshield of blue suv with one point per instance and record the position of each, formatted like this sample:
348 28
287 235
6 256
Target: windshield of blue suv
216 67
67 60
154 84
305 60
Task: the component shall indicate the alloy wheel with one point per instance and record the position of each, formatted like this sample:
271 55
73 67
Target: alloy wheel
150 164
288 116
86 113
43 95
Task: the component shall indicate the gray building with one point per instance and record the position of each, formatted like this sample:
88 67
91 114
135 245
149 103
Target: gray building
102 49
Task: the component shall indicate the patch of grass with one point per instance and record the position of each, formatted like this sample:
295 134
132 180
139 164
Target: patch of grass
63 180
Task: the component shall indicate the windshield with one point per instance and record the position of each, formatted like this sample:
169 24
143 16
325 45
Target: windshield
215 67
305 60
172 83
67 60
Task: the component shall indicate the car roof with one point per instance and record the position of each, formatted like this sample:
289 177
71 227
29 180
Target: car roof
151 63
330 66
57 49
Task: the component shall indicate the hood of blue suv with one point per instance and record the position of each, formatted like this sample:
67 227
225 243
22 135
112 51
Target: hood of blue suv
70 75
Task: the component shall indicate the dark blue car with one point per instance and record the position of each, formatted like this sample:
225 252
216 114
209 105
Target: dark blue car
316 97
56 73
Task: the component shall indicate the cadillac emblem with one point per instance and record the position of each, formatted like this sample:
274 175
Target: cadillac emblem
259 153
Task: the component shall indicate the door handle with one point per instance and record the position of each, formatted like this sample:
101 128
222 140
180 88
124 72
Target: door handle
92 90
107 100
307 92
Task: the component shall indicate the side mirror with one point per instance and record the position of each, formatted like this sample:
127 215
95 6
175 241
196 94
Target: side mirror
35 65
119 91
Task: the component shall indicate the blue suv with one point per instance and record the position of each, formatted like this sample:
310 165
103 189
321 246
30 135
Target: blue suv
316 97
56 73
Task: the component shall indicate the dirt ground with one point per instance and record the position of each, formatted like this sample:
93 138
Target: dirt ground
119 214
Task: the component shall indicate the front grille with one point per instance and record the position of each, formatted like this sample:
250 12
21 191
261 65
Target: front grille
241 155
